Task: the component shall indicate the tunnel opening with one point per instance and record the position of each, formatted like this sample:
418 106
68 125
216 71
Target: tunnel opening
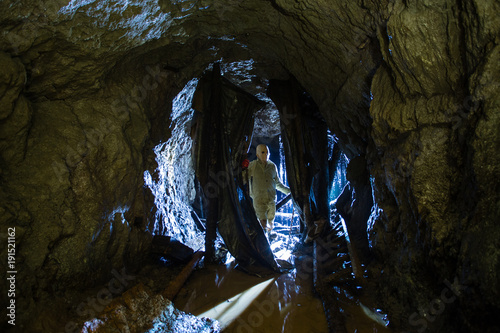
287 223
180 200
181 207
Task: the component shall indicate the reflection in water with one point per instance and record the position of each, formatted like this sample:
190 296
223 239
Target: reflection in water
227 311
245 303
279 303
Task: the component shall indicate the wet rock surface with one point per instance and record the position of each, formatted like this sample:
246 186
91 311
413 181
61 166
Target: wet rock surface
85 94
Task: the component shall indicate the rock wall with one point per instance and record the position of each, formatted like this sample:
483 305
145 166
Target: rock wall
86 91
432 97
72 184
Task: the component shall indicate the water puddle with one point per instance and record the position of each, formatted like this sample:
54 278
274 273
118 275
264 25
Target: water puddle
245 303
280 303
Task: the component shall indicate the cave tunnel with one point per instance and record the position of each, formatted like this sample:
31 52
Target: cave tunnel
96 97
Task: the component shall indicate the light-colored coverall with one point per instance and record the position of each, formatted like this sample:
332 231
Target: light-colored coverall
264 180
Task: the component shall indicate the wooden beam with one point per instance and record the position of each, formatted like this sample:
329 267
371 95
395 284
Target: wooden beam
175 286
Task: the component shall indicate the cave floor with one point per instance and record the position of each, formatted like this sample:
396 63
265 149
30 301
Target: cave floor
240 302
246 303
279 303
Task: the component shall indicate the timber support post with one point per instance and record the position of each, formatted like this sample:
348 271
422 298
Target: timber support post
213 214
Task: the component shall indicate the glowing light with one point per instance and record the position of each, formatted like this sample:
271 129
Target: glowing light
226 312
283 254
229 259
276 245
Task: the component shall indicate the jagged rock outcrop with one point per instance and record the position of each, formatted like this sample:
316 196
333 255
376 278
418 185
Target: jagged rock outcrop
86 90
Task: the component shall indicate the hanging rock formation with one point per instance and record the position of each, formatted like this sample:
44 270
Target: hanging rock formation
86 90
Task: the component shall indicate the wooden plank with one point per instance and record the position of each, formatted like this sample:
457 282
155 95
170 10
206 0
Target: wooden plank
176 285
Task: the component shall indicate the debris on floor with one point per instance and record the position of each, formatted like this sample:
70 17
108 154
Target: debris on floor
138 310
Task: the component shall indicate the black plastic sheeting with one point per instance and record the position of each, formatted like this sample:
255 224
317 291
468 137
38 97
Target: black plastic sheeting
310 164
223 128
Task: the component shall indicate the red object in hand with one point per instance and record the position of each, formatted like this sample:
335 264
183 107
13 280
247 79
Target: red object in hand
245 163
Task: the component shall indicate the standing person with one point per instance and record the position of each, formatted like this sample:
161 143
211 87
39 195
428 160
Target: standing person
263 181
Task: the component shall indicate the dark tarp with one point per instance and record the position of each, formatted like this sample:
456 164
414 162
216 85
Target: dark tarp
355 205
224 124
305 140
